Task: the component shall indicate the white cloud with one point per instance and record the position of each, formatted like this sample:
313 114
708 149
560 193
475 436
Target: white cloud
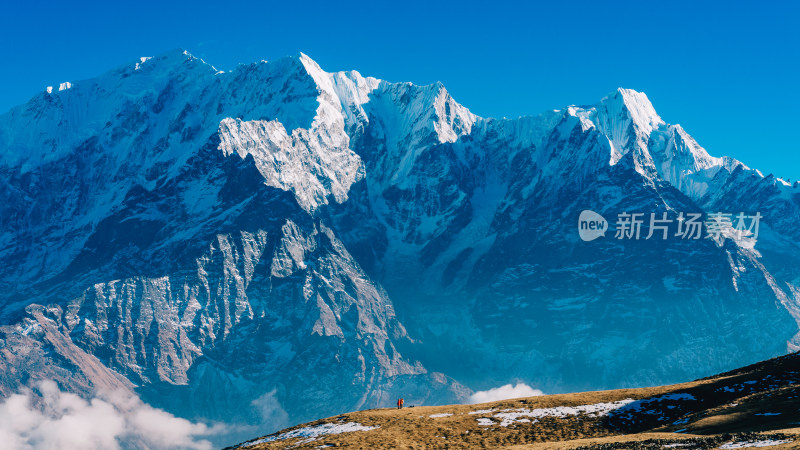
271 411
503 393
60 420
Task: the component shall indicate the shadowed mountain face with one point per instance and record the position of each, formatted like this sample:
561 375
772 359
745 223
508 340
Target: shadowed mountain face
326 242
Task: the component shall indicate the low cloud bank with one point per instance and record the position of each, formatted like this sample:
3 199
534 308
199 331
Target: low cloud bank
504 393
54 419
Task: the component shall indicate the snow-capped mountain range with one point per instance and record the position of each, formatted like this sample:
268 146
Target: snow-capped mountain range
277 243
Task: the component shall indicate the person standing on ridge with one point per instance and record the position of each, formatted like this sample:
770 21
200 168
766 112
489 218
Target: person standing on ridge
399 403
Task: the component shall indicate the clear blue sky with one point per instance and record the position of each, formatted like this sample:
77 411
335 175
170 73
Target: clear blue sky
726 71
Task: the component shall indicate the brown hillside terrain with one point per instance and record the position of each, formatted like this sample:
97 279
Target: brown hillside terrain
756 405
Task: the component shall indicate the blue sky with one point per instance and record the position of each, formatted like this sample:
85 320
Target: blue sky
728 72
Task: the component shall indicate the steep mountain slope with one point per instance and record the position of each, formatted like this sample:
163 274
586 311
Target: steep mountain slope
299 237
179 246
483 227
750 407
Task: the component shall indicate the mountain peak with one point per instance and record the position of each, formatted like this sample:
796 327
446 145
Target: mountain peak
178 56
313 69
168 61
639 107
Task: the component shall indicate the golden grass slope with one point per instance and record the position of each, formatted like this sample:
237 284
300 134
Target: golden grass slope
755 405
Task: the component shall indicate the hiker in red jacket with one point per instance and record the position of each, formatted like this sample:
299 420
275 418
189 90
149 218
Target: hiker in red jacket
399 403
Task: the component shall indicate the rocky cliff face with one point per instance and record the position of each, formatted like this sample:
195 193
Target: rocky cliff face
326 242
483 229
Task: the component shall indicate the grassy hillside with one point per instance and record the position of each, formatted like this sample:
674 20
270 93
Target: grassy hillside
753 406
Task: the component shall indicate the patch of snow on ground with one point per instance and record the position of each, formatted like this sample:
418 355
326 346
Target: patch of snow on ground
652 406
436 416
482 411
484 422
509 416
764 443
312 432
